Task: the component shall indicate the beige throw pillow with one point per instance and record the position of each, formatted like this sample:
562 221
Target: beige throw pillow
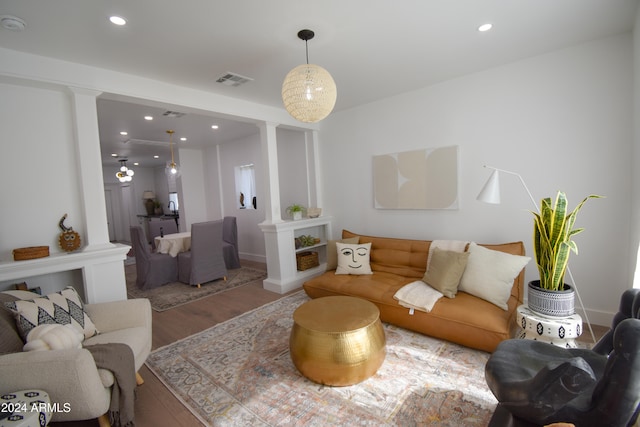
489 274
445 270
332 252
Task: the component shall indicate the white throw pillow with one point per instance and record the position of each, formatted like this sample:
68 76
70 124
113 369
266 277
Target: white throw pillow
64 307
489 274
353 258
332 251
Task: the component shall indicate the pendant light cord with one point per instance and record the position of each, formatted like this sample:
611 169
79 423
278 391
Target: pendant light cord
306 46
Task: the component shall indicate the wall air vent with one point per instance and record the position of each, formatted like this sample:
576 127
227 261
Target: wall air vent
147 142
173 114
232 79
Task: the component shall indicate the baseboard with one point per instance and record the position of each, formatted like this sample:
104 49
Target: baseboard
253 257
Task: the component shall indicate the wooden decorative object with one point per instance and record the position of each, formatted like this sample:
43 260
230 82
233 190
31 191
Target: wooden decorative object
68 240
31 252
306 260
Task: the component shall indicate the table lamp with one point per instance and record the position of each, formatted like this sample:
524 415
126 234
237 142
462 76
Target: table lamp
148 196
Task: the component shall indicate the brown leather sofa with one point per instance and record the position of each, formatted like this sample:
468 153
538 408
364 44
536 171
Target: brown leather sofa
465 319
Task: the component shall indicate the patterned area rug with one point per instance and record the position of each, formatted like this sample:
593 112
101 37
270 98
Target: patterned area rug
177 293
239 373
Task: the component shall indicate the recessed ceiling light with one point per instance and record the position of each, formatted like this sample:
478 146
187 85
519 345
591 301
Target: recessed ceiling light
485 27
183 139
117 20
114 155
13 23
124 133
136 164
148 117
214 126
156 157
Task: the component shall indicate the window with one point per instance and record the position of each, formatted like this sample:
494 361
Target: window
174 207
245 187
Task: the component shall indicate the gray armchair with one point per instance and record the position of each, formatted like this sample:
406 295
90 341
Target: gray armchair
205 261
230 242
152 269
70 376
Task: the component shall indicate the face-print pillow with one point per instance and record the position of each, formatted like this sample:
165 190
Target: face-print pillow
353 258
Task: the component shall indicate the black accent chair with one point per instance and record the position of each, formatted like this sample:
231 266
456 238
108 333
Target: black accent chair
537 383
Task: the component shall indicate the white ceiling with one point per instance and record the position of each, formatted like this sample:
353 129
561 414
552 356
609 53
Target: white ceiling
373 48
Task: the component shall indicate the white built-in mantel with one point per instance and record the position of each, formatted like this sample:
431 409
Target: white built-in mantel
283 274
102 270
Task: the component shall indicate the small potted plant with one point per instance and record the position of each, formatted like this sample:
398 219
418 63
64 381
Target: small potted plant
157 207
552 243
295 211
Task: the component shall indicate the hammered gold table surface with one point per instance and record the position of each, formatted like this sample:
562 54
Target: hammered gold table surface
337 340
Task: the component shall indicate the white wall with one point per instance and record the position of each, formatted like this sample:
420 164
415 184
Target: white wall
38 172
38 188
562 120
635 158
237 153
193 206
292 170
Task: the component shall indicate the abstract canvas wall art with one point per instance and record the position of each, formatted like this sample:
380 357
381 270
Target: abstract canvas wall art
418 179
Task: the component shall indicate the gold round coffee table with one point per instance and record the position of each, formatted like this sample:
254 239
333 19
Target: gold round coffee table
337 340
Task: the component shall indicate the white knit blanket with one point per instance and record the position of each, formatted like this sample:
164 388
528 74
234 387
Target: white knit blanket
418 295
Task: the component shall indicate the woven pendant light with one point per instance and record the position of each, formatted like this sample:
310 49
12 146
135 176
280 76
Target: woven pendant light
308 91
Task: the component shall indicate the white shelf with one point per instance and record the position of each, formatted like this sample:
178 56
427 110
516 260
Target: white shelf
308 248
283 275
101 268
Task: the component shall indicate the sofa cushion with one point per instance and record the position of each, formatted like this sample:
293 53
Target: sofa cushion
353 258
63 307
445 270
332 251
489 274
10 341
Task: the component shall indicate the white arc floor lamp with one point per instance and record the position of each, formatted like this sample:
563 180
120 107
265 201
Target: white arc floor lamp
490 193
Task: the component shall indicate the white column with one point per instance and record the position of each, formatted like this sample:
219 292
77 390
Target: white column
268 143
103 275
87 139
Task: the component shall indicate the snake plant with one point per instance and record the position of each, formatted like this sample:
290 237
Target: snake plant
552 233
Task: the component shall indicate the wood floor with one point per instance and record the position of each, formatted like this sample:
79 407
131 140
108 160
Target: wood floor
155 405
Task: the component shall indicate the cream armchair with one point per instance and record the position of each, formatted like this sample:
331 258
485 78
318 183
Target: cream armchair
70 376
